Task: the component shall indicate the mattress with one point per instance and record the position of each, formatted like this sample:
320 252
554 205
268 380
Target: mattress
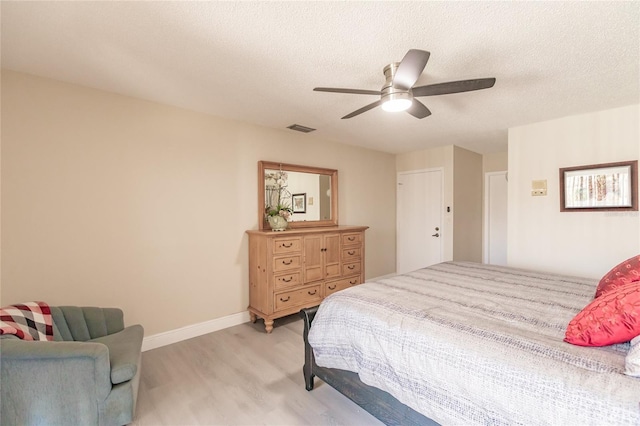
466 343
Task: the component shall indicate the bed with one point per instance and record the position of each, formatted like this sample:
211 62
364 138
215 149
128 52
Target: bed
467 343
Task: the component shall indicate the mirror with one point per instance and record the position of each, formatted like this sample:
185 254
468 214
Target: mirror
308 195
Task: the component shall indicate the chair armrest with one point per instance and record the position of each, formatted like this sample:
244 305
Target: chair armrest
124 352
68 371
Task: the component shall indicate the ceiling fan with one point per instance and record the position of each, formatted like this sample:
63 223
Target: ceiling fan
398 93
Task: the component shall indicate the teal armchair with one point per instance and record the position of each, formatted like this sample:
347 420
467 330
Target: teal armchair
88 375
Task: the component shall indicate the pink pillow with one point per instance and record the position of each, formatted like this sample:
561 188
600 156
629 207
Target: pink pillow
624 273
611 318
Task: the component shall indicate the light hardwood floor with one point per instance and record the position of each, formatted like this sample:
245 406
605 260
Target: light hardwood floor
239 376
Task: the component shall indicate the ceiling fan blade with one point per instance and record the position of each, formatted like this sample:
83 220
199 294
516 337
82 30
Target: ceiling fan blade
363 109
352 91
410 69
418 110
453 87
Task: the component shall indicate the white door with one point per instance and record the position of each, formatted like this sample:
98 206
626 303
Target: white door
419 215
495 218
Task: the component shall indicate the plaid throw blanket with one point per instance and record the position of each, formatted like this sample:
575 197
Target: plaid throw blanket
28 321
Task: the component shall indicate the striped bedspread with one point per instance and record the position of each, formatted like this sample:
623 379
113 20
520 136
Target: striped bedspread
465 343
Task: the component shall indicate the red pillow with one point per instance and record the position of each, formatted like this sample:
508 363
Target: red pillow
624 273
612 318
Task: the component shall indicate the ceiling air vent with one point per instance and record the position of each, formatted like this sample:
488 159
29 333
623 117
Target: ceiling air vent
299 128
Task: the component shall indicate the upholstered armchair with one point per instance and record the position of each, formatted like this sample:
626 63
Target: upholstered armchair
88 375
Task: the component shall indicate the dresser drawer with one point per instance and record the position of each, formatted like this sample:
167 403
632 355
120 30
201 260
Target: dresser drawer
287 245
293 298
284 263
351 239
351 254
287 280
351 268
333 286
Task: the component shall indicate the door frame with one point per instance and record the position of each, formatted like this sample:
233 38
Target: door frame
485 221
442 220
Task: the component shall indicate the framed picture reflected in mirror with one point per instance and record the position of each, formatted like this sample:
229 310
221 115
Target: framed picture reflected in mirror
299 203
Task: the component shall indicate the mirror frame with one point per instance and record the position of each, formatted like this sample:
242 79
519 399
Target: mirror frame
264 165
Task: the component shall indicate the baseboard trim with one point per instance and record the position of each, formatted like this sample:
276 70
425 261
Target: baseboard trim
393 274
195 330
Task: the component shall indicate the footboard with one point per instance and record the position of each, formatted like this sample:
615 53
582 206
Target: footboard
309 361
375 401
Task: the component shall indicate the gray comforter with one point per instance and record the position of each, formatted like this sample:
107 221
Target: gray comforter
465 343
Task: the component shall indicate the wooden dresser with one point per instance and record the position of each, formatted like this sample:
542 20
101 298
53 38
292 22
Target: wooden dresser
297 268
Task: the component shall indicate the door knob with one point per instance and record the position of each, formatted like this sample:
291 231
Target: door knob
436 235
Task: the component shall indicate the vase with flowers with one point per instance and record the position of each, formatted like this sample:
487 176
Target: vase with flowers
277 211
279 217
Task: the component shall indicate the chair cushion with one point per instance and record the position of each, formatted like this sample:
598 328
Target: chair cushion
124 352
81 324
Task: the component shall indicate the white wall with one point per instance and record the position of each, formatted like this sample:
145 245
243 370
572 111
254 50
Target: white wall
309 184
579 243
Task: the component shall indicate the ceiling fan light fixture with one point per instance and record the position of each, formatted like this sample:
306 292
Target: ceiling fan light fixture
396 102
400 88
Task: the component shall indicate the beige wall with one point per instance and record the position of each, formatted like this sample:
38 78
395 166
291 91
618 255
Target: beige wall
495 162
113 201
467 205
580 243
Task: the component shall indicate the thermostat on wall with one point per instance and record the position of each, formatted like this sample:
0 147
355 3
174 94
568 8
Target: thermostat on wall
538 187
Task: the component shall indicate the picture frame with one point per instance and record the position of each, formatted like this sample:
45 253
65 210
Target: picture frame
600 187
299 203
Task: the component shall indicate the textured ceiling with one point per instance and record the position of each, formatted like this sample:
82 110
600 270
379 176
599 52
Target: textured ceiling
259 61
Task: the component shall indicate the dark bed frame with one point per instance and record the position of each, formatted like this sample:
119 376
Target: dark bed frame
379 403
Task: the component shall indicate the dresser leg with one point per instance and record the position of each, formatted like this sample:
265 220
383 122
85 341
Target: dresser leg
253 317
268 325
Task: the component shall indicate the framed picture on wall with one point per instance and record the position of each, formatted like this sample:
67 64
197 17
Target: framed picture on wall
299 203
601 187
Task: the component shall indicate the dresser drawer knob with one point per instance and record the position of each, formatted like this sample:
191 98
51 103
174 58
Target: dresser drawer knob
286 246
352 267
351 253
287 263
311 293
287 280
332 287
351 238
285 300
352 282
